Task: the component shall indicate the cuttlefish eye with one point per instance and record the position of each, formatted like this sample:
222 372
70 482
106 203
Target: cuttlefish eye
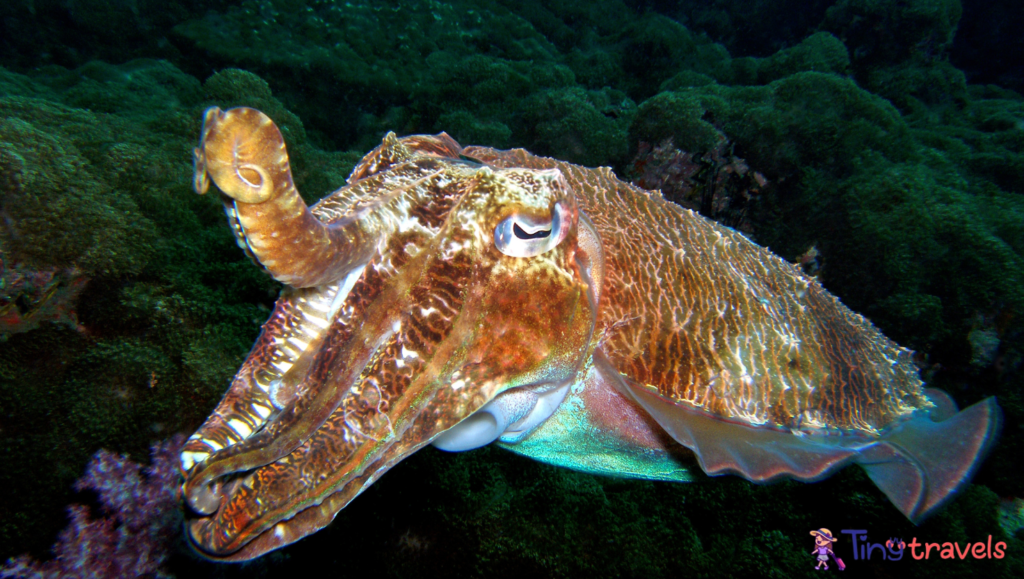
524 236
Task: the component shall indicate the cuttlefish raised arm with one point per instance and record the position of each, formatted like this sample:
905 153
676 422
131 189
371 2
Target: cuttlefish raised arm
466 296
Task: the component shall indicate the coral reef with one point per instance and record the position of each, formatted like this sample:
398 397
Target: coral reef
51 188
820 52
132 533
126 306
585 127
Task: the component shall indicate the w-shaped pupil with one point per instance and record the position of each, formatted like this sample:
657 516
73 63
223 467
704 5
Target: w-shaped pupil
522 234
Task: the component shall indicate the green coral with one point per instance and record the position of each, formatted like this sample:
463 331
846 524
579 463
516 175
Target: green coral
585 127
819 52
464 127
171 305
805 120
915 229
889 31
60 211
663 46
686 116
139 84
390 54
899 48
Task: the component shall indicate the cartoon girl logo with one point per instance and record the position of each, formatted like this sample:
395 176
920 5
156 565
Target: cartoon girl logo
823 540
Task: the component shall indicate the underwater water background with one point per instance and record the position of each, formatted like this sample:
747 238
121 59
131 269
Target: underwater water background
889 135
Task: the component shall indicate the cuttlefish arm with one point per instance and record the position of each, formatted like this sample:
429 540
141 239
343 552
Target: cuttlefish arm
243 151
477 287
270 408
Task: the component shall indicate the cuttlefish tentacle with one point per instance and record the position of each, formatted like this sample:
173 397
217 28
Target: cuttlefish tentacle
275 374
306 407
243 152
370 422
414 355
279 362
271 408
423 382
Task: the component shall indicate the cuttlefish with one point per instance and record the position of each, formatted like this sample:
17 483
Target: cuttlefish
463 296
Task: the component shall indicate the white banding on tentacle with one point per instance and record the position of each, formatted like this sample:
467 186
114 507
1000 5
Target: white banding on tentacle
317 314
189 459
316 309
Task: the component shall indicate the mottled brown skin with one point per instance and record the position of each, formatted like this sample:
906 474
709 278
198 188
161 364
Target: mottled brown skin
341 386
682 292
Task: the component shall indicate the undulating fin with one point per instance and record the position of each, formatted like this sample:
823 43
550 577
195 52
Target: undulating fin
919 464
722 447
922 463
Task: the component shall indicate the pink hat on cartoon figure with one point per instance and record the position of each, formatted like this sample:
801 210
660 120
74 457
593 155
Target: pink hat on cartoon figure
825 534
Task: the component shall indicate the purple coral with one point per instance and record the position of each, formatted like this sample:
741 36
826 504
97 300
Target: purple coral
140 518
